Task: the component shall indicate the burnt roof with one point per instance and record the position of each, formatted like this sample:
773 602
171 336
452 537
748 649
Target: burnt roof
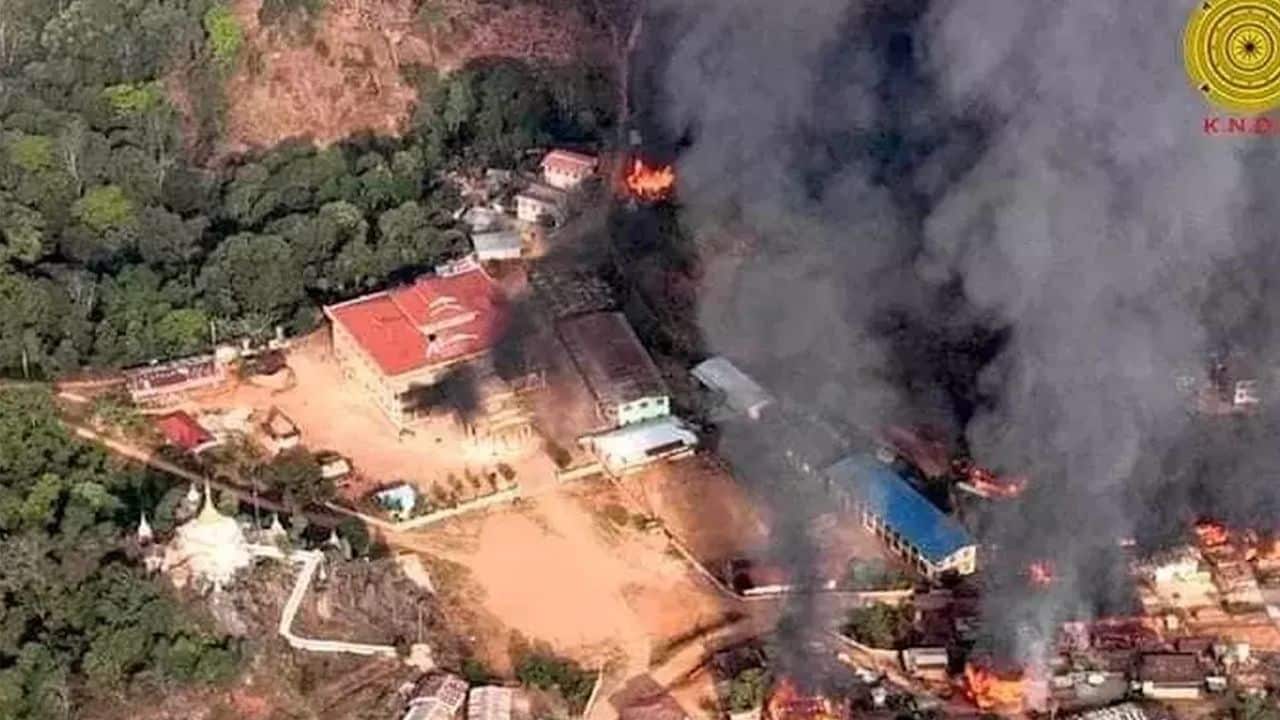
1170 668
615 365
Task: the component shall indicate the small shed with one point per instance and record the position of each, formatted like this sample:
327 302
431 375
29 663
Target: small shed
505 244
481 219
490 702
282 433
398 500
333 466
742 394
922 659
441 697
182 430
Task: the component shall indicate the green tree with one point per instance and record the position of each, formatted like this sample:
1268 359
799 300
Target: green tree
880 626
166 241
1253 707
105 207
32 153
22 231
251 273
226 37
133 98
408 239
295 475
357 536
75 613
747 689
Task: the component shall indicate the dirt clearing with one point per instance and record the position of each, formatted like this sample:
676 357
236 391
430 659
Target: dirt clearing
556 569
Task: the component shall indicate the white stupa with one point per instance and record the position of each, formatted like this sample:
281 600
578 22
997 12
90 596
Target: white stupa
209 549
145 534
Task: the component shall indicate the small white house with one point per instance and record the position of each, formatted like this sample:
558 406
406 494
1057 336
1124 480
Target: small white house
497 245
538 201
922 659
481 219
334 467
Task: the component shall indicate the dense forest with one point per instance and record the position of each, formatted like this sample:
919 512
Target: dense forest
76 615
125 236
121 242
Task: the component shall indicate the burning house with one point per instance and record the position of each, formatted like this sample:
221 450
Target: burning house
992 689
395 343
980 481
623 379
911 526
924 448
649 184
788 702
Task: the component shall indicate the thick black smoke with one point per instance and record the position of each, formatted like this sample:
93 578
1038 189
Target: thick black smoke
874 182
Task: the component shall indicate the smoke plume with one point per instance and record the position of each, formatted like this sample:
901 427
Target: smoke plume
870 182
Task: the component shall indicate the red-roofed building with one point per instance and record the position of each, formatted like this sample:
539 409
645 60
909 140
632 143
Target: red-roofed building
566 169
401 340
182 430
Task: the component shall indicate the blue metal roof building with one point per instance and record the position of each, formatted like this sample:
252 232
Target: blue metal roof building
912 526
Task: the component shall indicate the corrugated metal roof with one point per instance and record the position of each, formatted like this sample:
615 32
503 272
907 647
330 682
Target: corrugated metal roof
437 319
647 434
742 393
496 241
935 534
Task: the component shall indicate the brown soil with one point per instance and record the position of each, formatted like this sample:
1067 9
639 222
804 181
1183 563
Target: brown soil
344 76
557 570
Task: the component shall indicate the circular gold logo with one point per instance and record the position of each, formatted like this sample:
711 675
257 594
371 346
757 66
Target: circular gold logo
1232 52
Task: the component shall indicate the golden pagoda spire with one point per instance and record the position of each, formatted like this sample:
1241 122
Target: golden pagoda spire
208 513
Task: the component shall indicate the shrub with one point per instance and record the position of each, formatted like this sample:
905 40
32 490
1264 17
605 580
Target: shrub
616 514
543 670
879 626
225 34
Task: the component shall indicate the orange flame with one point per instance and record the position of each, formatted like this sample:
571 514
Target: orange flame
1211 533
787 703
988 690
652 184
1040 573
988 483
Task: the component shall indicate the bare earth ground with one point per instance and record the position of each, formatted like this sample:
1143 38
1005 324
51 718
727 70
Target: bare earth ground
555 569
344 77
334 415
704 506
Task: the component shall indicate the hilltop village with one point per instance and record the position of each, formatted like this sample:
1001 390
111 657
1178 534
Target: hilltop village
501 435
